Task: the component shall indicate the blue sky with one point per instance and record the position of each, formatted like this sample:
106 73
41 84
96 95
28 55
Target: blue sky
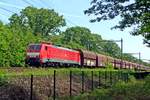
73 13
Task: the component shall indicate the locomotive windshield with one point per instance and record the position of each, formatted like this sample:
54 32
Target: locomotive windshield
35 47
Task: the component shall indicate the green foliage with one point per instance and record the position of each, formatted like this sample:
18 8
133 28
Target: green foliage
49 71
5 38
112 48
100 92
133 13
13 46
38 21
109 66
147 84
3 80
80 36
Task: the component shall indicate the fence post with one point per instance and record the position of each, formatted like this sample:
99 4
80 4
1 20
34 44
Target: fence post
118 72
99 77
70 83
82 81
127 77
105 78
54 85
92 80
110 77
31 88
125 74
122 77
115 76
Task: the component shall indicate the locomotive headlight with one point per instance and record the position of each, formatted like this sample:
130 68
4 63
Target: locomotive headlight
33 54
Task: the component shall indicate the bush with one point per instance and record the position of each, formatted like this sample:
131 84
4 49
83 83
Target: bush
3 80
109 66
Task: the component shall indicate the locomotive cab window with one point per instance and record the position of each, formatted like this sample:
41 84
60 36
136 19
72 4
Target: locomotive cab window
34 47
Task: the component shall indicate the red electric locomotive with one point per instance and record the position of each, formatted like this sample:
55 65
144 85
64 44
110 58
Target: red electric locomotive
48 54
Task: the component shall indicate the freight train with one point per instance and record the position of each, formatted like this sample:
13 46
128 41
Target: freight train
47 54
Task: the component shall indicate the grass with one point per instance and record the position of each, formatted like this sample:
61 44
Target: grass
50 71
10 71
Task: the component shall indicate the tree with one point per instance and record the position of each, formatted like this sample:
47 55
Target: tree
77 35
5 37
38 21
13 46
133 13
130 58
112 48
98 44
18 45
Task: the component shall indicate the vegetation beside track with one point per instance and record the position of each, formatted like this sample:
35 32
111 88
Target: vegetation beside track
133 90
111 87
50 71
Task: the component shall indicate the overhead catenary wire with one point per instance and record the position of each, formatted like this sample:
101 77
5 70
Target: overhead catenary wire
72 23
14 6
35 3
3 14
10 5
27 2
7 10
18 7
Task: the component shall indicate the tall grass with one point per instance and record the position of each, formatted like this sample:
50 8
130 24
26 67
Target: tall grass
48 71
